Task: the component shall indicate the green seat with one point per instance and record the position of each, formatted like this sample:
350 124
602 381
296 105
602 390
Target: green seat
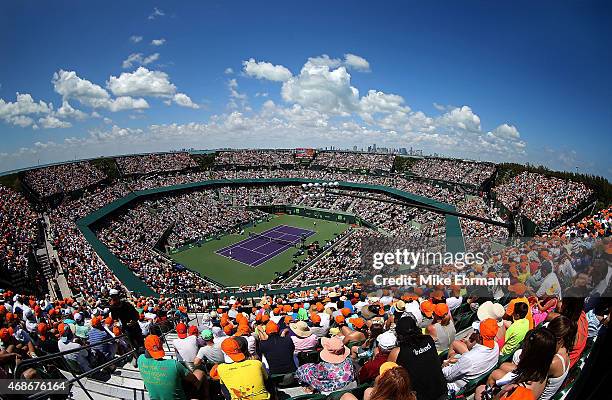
464 321
443 356
506 358
355 343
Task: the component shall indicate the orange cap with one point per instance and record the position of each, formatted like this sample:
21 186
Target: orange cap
231 347
153 344
41 328
288 319
339 319
95 321
265 318
488 330
181 330
243 330
427 308
346 312
441 309
193 330
357 322
315 318
271 327
5 335
287 308
228 329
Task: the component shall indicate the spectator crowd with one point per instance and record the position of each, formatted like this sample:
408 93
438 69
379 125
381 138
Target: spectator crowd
354 161
546 201
458 171
63 178
151 163
255 158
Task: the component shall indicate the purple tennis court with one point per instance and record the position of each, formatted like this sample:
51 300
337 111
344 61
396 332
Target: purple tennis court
258 249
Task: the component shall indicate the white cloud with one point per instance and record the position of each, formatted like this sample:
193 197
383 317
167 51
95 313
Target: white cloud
158 42
321 88
506 131
325 61
379 102
460 118
184 101
141 82
439 107
235 95
67 111
51 122
356 62
127 103
135 39
138 58
71 86
228 71
20 111
266 70
156 13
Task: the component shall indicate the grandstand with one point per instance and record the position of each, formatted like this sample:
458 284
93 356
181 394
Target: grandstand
218 259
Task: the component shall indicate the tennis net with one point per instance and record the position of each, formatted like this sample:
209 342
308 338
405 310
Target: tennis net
271 239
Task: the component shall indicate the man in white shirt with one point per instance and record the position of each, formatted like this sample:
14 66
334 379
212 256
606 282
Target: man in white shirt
186 346
550 286
481 357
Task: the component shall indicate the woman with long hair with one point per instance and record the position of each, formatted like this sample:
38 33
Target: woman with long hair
530 374
572 307
394 383
417 353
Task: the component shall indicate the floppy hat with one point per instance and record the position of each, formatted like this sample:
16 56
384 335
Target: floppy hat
400 306
334 351
153 345
231 348
301 329
488 330
488 309
387 340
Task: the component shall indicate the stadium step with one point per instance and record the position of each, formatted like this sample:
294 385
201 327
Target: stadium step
107 390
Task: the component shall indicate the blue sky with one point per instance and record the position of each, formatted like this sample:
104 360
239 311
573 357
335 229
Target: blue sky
478 79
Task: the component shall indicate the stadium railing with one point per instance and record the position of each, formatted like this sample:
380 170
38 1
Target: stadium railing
58 358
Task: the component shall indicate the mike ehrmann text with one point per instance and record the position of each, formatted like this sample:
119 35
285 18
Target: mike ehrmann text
459 279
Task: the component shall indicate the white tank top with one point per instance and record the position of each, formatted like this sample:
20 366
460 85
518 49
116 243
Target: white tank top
553 384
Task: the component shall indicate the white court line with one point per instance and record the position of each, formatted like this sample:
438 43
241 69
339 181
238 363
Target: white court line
274 253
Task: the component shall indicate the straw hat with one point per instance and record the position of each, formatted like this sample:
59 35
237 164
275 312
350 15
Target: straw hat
301 329
488 309
334 351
